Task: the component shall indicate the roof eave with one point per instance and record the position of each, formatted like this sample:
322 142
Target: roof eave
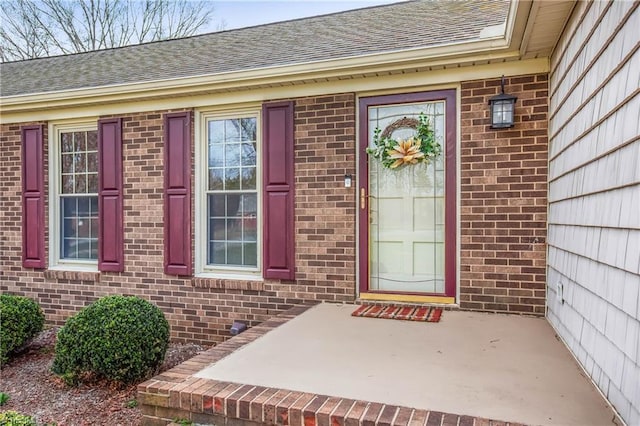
503 46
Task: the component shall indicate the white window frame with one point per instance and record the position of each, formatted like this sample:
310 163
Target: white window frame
54 159
202 269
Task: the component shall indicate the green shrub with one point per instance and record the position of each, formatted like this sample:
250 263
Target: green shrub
118 337
13 418
20 320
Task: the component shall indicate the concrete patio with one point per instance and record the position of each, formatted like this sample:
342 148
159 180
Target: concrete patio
322 366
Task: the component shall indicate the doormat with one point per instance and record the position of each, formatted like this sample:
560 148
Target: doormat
407 313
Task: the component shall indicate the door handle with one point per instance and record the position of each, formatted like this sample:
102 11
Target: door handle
363 199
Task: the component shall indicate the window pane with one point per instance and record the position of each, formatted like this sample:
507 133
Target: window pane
250 254
216 205
248 129
234 229
80 163
217 253
94 249
234 254
80 141
81 184
93 206
216 155
216 131
248 154
232 155
69 206
83 248
250 204
92 162
216 177
250 228
92 183
232 179
217 229
83 228
83 207
233 204
232 131
67 184
66 142
68 227
67 163
232 220
92 140
248 178
79 227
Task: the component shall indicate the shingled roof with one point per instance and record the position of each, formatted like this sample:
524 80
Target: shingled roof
381 29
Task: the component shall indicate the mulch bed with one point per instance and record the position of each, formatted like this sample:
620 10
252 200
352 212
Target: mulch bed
34 390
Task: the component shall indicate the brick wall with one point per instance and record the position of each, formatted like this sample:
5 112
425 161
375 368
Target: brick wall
504 198
502 229
202 309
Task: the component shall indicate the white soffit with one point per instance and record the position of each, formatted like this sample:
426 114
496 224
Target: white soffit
545 23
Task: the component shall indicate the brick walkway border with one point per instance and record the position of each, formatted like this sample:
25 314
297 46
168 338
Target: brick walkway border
177 395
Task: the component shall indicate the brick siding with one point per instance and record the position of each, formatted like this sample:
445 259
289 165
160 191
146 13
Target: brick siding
502 230
201 309
503 198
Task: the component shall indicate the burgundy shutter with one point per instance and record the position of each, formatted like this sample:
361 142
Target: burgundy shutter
32 198
111 231
177 193
278 246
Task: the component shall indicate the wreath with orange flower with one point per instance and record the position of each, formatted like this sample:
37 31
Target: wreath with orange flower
394 154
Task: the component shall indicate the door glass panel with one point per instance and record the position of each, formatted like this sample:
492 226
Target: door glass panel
406 230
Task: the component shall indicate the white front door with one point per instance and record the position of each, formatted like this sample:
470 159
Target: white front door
406 207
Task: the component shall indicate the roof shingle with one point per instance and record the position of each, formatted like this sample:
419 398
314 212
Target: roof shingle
381 29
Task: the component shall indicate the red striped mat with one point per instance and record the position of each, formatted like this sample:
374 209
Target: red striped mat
408 313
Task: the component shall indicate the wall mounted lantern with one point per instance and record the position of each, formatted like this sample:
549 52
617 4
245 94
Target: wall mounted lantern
502 109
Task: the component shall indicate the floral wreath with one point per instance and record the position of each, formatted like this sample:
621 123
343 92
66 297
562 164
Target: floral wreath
393 153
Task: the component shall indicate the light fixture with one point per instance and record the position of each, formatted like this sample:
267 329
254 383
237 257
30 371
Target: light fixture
502 109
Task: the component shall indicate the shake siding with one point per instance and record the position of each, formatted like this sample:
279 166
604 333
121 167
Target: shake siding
594 197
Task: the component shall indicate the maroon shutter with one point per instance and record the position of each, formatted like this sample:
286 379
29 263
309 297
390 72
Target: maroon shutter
278 246
111 231
32 198
177 193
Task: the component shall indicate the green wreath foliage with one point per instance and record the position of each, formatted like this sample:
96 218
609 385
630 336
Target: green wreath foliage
395 154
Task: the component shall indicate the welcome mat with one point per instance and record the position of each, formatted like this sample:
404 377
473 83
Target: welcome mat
407 313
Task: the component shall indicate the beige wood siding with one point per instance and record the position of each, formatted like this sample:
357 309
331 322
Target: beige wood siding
593 277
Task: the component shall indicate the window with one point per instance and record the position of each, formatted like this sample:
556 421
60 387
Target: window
231 196
75 196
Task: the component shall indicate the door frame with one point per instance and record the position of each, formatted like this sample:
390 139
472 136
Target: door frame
450 227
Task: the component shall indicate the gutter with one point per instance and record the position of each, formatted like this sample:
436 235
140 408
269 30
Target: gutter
496 44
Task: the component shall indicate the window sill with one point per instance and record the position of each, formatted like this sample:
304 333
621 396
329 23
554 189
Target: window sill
231 283
72 274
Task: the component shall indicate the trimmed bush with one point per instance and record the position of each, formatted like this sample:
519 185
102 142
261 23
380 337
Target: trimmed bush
20 320
13 418
121 338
